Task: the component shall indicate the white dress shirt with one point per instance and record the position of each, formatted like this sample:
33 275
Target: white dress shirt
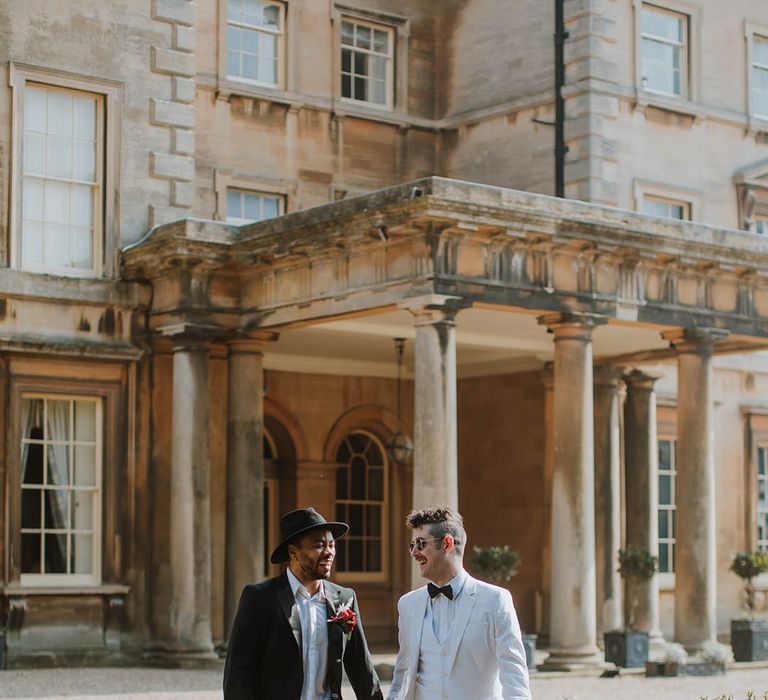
314 638
443 611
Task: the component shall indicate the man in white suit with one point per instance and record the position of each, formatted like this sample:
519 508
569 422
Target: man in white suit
459 637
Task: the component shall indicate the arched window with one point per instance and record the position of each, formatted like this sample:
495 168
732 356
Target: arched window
361 493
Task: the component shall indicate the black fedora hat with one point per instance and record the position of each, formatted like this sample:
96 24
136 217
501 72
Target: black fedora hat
296 523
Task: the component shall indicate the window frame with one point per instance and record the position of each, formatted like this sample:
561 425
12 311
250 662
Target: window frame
282 52
691 76
761 222
671 540
65 580
106 236
223 181
383 574
397 99
240 221
28 376
690 199
752 30
389 84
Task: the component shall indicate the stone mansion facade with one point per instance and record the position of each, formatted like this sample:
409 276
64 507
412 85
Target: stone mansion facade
217 215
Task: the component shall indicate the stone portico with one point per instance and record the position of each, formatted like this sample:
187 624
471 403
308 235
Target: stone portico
614 290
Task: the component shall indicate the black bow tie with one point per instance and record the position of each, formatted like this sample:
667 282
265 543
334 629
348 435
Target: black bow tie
434 590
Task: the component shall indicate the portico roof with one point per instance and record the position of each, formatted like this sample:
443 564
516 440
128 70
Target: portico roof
488 247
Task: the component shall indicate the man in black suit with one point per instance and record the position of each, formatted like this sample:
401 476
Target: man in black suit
291 632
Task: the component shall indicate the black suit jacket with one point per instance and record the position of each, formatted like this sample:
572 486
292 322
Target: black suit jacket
264 658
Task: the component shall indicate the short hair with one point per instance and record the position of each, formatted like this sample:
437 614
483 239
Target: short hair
442 521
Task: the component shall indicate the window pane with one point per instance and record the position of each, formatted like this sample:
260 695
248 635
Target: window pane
355 514
82 554
59 113
268 70
355 549
343 453
85 117
663 524
251 209
233 63
34 154
32 243
378 92
665 489
84 167
373 521
34 109
346 60
56 203
363 36
347 33
32 508
56 506
376 484
234 204
56 246
33 465
361 63
33 199
271 16
761 460
342 483
358 442
357 478
59 156
85 465
361 93
346 86
380 41
250 66
373 555
270 207
31 554
664 558
250 39
82 510
81 205
665 454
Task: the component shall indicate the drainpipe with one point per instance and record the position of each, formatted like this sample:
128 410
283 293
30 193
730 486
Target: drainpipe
560 147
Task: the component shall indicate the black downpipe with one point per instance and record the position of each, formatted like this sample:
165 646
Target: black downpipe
560 148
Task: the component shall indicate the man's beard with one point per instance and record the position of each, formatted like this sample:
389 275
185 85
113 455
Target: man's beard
312 569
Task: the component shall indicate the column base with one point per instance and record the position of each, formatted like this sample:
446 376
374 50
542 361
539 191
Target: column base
574 660
657 646
184 659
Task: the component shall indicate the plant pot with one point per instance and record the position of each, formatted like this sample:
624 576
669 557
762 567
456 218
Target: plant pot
749 639
661 668
628 649
529 644
702 668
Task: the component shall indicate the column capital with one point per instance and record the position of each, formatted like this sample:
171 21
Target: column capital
434 308
697 340
250 342
639 379
609 376
189 336
572 325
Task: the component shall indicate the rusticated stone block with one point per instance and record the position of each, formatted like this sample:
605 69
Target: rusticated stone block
166 113
173 62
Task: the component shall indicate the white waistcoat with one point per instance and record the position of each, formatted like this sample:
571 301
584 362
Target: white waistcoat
432 677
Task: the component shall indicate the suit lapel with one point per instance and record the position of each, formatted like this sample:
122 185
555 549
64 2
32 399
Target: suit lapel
465 602
289 607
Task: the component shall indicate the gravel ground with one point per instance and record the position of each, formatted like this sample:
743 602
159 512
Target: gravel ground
154 684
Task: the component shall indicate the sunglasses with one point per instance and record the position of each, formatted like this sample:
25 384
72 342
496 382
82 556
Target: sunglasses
420 542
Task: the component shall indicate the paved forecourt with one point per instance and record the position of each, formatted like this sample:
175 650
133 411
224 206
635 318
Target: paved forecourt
159 684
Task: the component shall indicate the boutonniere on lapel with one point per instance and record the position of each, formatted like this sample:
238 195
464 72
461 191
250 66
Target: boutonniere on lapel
346 618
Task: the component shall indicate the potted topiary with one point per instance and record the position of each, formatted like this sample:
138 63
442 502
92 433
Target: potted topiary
749 636
498 565
629 648
674 658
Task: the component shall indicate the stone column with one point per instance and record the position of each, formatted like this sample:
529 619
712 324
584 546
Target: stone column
244 555
435 433
190 516
573 642
641 473
607 387
695 565
435 456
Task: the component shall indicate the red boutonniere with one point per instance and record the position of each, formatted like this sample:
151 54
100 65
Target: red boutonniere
346 617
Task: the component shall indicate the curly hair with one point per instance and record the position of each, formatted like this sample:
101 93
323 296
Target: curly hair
442 521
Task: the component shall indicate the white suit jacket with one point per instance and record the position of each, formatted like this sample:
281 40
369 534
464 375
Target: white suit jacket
486 654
